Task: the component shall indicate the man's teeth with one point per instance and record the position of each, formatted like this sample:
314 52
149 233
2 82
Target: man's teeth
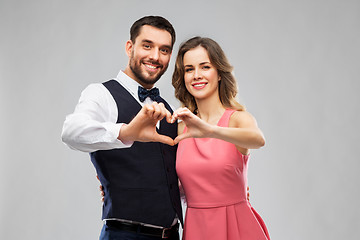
150 66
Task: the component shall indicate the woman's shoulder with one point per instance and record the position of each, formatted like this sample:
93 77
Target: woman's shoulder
241 118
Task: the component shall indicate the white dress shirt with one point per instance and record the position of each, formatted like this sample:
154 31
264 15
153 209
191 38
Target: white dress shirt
93 125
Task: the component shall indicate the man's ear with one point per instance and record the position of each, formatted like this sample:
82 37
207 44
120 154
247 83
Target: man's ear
128 47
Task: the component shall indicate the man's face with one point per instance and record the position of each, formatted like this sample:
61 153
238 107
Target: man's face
149 56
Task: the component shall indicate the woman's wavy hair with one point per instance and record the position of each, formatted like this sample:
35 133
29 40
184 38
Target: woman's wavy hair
227 84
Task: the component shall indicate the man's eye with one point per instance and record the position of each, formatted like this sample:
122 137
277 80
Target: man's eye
164 50
146 46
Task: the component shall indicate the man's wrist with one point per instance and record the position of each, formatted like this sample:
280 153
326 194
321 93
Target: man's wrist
123 136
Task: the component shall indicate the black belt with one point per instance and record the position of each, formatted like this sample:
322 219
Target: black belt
141 229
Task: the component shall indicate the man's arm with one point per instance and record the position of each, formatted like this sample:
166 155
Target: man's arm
92 126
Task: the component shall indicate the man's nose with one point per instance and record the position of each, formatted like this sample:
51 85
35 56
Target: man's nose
154 54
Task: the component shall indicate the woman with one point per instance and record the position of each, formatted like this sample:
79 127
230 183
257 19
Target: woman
214 137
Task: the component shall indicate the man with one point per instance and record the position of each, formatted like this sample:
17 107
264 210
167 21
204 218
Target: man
126 127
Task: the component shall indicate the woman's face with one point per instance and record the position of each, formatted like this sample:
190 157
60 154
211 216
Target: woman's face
201 77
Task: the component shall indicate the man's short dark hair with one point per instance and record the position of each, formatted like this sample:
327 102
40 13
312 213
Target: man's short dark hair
155 21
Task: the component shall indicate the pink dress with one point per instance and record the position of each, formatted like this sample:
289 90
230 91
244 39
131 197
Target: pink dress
213 174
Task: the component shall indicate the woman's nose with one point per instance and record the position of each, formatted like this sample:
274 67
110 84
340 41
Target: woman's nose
197 74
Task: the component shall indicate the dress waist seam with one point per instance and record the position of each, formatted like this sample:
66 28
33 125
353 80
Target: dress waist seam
215 205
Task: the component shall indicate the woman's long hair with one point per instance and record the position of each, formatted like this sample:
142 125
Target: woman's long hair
227 84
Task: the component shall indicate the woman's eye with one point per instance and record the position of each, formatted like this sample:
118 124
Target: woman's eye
188 69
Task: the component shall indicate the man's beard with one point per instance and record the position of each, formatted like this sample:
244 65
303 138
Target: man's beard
136 69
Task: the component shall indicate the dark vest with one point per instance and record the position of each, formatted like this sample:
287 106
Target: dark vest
140 182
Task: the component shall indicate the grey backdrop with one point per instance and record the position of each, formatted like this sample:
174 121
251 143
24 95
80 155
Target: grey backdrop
297 64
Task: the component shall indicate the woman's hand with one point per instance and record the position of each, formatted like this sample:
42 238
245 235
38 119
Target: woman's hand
196 128
101 188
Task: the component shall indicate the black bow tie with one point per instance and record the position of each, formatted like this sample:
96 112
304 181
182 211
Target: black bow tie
152 93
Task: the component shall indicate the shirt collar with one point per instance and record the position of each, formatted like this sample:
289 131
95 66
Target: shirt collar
130 84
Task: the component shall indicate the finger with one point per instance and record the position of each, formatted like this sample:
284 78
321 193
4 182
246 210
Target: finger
169 117
146 108
164 139
176 113
149 110
184 113
163 111
174 116
179 110
157 110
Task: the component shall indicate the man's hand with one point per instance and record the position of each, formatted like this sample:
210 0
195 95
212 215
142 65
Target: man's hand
143 127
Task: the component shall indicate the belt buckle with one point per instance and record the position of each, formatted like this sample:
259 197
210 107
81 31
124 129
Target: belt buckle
163 235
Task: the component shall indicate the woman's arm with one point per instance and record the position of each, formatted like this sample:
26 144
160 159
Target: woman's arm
242 131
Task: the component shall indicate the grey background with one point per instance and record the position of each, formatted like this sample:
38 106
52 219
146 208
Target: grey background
297 64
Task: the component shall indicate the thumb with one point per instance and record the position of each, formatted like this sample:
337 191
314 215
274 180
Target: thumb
181 137
164 139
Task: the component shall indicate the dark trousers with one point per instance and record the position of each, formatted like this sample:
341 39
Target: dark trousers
110 233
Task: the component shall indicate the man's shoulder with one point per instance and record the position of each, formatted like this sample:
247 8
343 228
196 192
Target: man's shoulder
94 91
94 87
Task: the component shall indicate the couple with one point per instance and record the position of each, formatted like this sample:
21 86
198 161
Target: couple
132 133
